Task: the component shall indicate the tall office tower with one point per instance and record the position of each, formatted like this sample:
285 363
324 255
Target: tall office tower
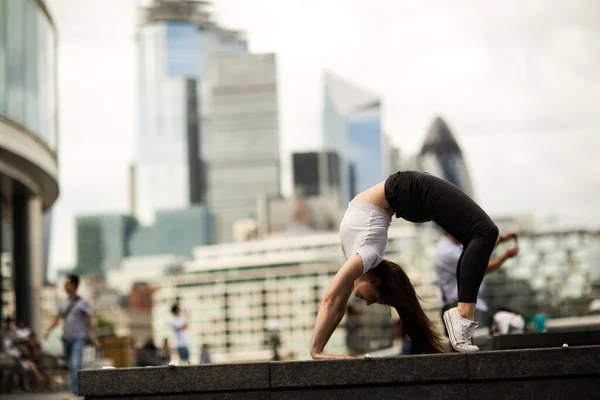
352 129
316 173
441 156
176 42
244 138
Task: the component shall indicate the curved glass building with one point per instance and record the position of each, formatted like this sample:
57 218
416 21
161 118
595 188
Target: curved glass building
441 156
28 147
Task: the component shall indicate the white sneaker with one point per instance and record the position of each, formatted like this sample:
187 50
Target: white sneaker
460 331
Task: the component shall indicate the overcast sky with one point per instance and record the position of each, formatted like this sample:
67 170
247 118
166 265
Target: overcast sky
517 81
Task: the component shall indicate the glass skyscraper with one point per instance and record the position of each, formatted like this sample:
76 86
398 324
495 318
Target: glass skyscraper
27 68
441 156
174 232
365 146
244 138
176 42
28 152
352 129
102 242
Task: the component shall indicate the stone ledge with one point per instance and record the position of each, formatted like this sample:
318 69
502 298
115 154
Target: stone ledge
174 380
406 392
254 395
546 389
495 374
376 371
548 339
534 363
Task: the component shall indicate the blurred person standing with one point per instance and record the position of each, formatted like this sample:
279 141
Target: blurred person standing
275 343
180 325
134 350
446 258
164 354
148 355
205 354
76 314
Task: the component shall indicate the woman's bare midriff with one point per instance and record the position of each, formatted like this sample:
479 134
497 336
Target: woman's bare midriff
374 195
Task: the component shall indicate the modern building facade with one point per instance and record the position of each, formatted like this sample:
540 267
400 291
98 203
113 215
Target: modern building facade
176 42
143 269
554 274
243 136
28 145
7 289
46 242
441 156
235 293
316 173
365 147
303 215
352 129
175 232
102 242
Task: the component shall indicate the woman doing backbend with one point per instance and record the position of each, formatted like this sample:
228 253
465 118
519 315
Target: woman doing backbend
416 197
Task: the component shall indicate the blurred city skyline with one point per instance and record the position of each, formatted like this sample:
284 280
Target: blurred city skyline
518 84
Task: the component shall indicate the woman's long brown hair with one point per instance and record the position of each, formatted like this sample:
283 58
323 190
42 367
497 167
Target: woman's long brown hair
396 290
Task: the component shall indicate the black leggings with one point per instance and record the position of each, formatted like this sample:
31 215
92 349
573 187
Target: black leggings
420 197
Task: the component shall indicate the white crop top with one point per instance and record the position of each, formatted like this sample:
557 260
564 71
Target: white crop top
364 231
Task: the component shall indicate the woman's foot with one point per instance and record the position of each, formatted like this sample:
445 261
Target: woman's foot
460 331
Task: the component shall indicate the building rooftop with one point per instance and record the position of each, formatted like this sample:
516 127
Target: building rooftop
196 12
348 98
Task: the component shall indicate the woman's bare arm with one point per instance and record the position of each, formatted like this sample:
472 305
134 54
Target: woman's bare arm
333 306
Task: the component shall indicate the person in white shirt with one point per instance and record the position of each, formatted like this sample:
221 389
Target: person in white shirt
446 256
180 325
